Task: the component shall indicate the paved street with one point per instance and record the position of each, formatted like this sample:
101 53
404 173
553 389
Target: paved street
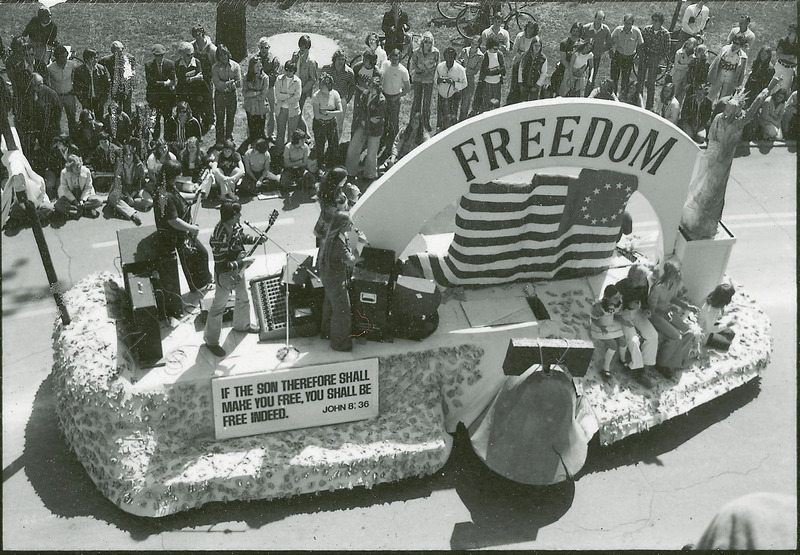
657 490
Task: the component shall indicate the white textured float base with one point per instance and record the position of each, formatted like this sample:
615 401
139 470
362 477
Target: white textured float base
152 451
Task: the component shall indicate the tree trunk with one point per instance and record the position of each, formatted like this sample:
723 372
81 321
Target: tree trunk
232 27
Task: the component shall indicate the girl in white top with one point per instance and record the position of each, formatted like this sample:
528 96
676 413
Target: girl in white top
523 40
668 106
374 44
680 67
575 78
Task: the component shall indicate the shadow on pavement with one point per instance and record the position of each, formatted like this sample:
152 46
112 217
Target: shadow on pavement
666 437
502 511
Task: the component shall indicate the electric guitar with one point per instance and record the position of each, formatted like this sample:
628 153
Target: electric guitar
230 279
189 246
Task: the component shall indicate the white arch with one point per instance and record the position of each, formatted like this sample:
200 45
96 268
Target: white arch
584 133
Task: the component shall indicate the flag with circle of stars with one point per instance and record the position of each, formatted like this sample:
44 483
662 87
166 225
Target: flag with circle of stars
597 198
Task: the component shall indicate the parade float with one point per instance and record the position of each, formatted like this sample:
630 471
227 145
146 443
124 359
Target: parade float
539 189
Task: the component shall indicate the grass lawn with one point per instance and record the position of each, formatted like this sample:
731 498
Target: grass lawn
139 25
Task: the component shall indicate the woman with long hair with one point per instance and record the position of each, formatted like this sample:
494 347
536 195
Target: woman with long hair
760 74
256 88
335 262
667 305
127 193
326 104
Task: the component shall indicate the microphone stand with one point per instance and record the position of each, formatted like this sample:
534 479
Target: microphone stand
288 352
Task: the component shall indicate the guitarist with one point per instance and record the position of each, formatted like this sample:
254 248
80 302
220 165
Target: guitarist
227 245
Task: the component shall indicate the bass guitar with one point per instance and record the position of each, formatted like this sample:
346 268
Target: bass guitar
232 278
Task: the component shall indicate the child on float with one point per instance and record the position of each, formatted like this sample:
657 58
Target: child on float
710 316
606 327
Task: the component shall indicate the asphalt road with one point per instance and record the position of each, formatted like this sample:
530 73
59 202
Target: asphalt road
656 490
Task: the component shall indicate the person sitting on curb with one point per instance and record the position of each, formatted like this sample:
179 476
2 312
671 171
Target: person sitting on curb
257 167
229 171
76 196
127 195
295 164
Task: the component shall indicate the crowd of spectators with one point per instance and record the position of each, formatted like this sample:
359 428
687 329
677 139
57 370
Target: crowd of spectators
194 99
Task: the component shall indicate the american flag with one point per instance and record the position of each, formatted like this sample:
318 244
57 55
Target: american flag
556 227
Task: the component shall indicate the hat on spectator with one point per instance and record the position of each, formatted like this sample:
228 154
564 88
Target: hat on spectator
159 50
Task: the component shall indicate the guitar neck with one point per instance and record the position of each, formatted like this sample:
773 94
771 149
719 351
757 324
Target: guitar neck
272 218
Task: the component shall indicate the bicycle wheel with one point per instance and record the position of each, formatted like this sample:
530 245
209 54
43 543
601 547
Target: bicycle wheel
516 23
467 22
450 10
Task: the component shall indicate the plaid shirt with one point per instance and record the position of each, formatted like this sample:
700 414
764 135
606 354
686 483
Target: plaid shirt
227 245
656 43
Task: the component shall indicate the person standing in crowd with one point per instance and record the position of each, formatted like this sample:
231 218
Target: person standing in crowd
423 69
21 65
60 74
574 80
471 59
761 73
395 27
173 219
363 71
336 261
296 157
41 121
92 83
288 90
695 18
680 67
308 72
326 105
121 68
256 105
726 73
654 51
786 63
744 29
497 31
180 127
412 135
271 66
344 82
451 79
565 50
87 133
117 123
625 39
374 45
696 112
368 127
227 77
227 245
127 195
190 86
522 42
43 33
698 68
76 196
160 76
598 33
771 115
257 172
491 75
668 106
229 170
206 52
396 84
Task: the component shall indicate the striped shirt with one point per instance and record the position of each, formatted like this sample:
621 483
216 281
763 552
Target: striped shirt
227 244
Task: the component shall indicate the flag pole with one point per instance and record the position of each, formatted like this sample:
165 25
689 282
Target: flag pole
38 234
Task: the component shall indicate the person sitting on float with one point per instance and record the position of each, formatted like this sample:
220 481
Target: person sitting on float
606 327
669 308
641 337
336 260
710 316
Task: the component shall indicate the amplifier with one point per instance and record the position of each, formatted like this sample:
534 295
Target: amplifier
141 253
574 354
146 341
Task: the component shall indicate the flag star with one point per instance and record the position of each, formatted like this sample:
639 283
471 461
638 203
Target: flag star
597 191
608 185
586 216
604 220
594 221
584 208
588 199
613 216
621 210
628 189
619 185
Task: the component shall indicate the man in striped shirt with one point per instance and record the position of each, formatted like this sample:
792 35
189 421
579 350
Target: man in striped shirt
227 245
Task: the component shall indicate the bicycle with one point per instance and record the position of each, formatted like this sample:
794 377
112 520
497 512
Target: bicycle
473 17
